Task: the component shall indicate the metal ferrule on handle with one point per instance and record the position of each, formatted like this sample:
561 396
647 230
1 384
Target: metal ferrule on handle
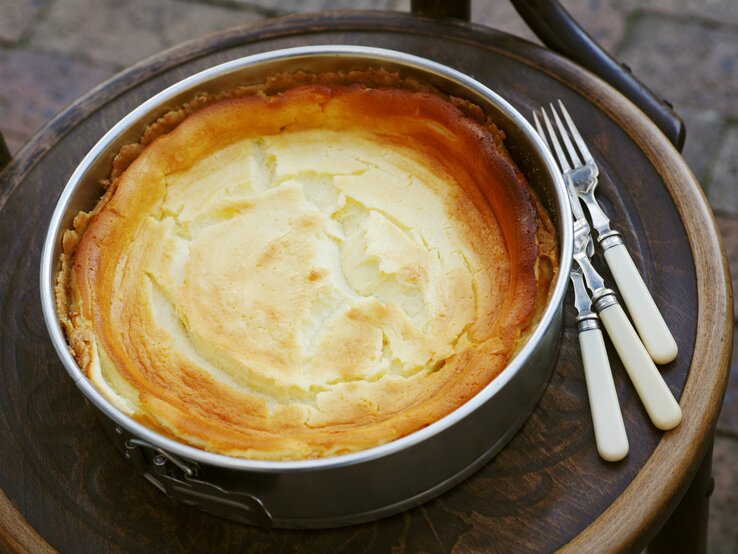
609 239
604 298
588 322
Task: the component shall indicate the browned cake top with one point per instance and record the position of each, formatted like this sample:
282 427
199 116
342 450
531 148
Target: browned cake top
306 273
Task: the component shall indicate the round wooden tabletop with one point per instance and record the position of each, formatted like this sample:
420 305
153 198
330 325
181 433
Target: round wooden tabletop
63 486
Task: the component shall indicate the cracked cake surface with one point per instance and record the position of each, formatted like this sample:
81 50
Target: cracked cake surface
306 272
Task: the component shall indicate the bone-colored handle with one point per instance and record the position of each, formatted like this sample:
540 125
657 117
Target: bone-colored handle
612 442
646 317
660 404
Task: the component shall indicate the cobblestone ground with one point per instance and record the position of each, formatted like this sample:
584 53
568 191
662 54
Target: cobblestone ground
52 51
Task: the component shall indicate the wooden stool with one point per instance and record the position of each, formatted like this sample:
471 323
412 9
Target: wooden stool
63 486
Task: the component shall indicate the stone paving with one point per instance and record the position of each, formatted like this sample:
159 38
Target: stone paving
53 51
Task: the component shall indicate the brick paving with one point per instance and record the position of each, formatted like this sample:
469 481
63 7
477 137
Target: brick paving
52 51
117 34
25 106
721 186
654 46
16 18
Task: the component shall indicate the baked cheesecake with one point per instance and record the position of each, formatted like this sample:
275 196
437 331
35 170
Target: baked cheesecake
307 267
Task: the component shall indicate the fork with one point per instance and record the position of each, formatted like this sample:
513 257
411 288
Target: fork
653 391
607 419
646 316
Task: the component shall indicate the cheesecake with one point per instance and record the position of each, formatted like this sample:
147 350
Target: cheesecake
306 267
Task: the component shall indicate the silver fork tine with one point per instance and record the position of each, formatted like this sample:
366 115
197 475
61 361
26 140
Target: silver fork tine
544 137
575 159
575 133
553 139
539 129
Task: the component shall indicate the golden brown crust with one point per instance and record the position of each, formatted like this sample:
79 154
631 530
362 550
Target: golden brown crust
307 267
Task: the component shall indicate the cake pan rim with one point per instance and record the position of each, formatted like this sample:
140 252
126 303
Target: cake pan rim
366 55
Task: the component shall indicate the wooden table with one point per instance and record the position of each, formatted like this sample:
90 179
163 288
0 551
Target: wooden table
63 486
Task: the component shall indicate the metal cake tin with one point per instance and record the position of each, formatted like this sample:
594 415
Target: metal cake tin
365 485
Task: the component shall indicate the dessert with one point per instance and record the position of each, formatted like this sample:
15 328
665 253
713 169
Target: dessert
308 267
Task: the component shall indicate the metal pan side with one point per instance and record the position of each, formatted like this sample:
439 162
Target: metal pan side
469 433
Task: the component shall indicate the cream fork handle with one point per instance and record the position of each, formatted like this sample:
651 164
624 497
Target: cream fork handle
610 436
649 322
660 404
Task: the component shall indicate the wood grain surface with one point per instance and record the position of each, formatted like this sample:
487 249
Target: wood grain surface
66 488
